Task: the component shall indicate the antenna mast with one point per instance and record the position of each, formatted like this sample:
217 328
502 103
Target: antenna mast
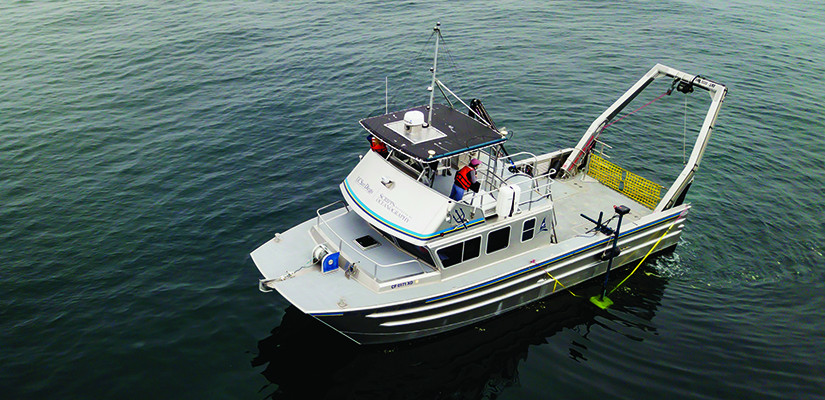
437 30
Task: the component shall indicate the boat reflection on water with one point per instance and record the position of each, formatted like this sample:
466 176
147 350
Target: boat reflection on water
305 359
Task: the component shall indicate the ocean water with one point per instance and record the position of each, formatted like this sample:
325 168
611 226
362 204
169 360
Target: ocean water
147 147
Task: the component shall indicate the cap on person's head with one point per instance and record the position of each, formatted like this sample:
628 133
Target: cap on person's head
475 162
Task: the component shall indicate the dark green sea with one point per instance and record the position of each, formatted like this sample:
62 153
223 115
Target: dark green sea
146 147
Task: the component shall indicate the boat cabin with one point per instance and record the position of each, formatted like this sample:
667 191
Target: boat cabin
401 192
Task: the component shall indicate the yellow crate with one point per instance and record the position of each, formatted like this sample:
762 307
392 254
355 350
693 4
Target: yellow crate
605 172
644 191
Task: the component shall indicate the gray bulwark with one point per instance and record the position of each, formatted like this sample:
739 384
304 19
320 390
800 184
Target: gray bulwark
457 133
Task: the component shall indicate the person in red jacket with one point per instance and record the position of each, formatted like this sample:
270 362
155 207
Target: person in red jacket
465 179
377 145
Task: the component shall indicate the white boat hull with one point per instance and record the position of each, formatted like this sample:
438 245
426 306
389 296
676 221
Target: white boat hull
524 285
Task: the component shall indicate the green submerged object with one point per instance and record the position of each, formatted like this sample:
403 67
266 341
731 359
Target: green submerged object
602 302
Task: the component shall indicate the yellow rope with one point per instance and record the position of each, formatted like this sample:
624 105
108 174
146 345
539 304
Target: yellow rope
645 257
562 285
628 276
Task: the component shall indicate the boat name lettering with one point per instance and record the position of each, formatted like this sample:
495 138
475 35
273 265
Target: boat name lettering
364 185
402 284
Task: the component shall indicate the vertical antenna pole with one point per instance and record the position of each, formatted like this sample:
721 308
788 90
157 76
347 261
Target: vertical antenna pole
437 30
386 95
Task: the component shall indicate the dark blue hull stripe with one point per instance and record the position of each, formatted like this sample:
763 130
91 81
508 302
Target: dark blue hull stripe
550 261
538 265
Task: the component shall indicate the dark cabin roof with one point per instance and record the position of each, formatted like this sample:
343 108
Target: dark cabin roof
462 133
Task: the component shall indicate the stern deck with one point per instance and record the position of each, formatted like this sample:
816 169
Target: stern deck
588 196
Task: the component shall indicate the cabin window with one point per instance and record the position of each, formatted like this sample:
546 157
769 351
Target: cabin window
528 229
420 252
472 248
450 255
459 252
384 234
498 239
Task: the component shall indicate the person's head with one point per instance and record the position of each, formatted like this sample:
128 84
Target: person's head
474 163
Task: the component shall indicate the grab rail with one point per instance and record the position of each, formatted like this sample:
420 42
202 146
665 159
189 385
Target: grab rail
511 156
376 264
533 187
318 211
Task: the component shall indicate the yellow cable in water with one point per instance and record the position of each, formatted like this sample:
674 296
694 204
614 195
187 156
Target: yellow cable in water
645 257
562 285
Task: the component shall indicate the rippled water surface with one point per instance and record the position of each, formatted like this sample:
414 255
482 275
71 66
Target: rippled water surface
146 148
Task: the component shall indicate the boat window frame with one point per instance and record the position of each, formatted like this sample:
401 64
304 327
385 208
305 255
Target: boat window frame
463 249
429 261
506 245
461 258
395 242
460 254
532 229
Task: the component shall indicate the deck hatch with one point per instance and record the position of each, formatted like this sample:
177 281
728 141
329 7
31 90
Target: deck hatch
367 242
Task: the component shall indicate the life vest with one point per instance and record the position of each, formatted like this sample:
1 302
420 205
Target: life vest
462 178
377 146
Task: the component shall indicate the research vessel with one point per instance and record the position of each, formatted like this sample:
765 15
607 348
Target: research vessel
398 258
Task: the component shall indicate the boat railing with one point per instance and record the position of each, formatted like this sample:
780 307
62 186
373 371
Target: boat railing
318 220
528 158
530 184
543 191
496 169
378 268
535 192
